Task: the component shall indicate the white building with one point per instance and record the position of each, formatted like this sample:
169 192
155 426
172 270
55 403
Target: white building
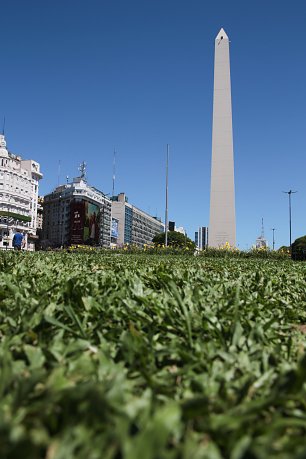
132 225
181 229
77 213
18 197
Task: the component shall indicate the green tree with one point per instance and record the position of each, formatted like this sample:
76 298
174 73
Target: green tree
284 248
175 239
298 251
299 243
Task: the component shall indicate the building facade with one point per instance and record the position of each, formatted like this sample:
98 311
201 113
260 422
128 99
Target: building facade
19 181
134 226
77 213
201 237
40 212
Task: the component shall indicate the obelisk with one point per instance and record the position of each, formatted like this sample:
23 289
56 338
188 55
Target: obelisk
222 221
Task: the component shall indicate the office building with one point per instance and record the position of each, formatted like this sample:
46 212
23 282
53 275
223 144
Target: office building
132 225
19 181
222 222
201 237
76 214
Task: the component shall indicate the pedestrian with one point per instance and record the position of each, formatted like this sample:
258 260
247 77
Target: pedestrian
18 240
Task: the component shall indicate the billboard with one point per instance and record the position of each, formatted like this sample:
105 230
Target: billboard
114 232
84 223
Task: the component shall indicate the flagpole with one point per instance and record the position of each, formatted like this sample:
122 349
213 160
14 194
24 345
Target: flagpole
166 213
114 172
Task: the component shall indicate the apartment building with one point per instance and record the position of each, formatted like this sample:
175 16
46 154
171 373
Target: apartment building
19 182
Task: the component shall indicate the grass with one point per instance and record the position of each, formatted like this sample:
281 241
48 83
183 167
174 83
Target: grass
153 357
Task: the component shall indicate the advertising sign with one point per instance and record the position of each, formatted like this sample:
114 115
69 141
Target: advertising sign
84 223
92 223
115 224
77 222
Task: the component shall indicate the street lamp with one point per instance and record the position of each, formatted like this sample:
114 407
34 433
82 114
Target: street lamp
273 229
289 193
166 211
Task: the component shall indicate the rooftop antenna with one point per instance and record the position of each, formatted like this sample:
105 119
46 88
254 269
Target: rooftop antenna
262 229
58 172
3 126
114 172
82 169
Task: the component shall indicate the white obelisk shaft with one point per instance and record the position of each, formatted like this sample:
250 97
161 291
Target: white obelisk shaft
222 222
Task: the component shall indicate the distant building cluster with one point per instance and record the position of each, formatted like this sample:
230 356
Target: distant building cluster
77 214
74 213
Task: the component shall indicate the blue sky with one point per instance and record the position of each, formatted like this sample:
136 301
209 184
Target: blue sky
79 78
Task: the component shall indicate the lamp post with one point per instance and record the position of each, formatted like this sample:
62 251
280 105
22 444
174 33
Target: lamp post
166 212
273 230
289 193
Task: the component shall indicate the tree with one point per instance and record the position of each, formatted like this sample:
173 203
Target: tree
299 243
175 239
284 248
298 251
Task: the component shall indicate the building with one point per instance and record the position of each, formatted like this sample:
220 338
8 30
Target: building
19 181
180 229
201 237
40 217
222 223
77 213
171 226
132 225
40 211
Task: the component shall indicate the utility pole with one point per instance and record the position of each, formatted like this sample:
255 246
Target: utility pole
114 173
289 193
166 213
273 229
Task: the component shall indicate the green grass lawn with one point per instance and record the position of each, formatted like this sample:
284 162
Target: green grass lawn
106 355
